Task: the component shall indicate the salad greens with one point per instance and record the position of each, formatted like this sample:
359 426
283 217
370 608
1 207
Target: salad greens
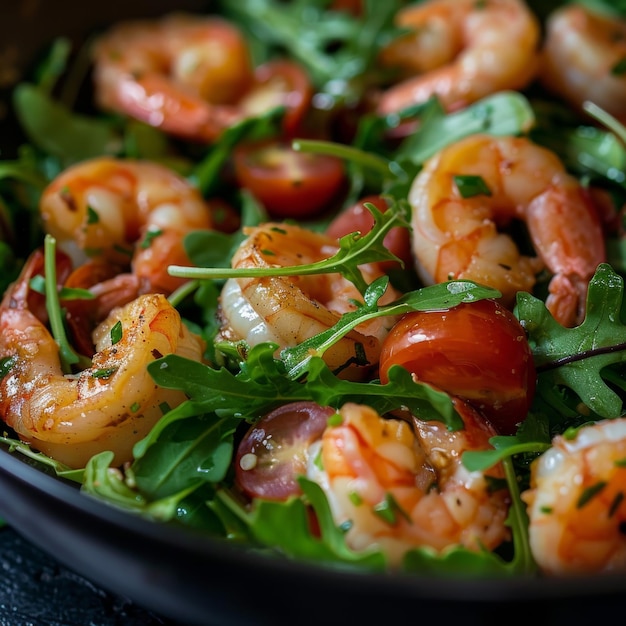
182 471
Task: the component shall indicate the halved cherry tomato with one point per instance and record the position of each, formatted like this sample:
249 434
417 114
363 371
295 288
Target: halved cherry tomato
273 452
477 351
289 184
280 82
358 218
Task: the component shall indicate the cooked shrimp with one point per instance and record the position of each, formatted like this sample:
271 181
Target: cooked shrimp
183 73
576 501
461 51
121 209
108 406
456 237
290 309
583 58
399 488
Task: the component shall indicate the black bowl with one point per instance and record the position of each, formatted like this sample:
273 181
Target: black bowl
196 579
200 580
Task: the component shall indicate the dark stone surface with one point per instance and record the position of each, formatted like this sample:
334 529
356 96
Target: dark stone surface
35 590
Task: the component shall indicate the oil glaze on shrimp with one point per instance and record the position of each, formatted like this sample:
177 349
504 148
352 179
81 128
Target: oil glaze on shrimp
110 405
582 56
456 237
183 73
576 501
461 51
122 209
290 309
368 466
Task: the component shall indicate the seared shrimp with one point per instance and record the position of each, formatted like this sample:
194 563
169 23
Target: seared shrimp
457 237
461 51
576 501
119 210
583 58
108 406
400 487
183 73
290 309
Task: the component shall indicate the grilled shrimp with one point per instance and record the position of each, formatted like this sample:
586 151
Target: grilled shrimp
457 235
461 51
400 487
121 210
576 501
108 406
582 56
290 309
183 73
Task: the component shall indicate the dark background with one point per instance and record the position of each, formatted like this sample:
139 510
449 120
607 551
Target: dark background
35 590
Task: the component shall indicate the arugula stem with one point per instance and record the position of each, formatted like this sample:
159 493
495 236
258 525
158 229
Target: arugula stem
340 331
581 356
518 520
606 119
348 153
354 249
67 355
176 297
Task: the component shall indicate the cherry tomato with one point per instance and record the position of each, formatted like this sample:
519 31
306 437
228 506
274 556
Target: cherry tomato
357 217
477 351
289 184
273 452
280 82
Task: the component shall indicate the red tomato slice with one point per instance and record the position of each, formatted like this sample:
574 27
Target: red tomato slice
274 452
476 351
280 82
289 184
358 218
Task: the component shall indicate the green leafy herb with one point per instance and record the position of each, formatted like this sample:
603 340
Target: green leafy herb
590 493
105 372
116 332
470 186
580 358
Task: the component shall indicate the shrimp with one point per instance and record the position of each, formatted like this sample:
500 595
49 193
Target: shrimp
583 56
183 73
457 237
576 501
108 406
123 209
399 487
287 310
461 51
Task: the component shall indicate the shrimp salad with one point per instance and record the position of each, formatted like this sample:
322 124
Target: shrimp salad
342 281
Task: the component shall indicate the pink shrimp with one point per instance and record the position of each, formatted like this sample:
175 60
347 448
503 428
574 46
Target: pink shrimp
108 406
576 502
457 237
461 51
118 210
367 464
582 55
290 309
183 73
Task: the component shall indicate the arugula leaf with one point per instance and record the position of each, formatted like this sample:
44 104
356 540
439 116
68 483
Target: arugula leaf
185 454
102 481
503 113
354 249
335 47
262 385
439 296
580 357
57 130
